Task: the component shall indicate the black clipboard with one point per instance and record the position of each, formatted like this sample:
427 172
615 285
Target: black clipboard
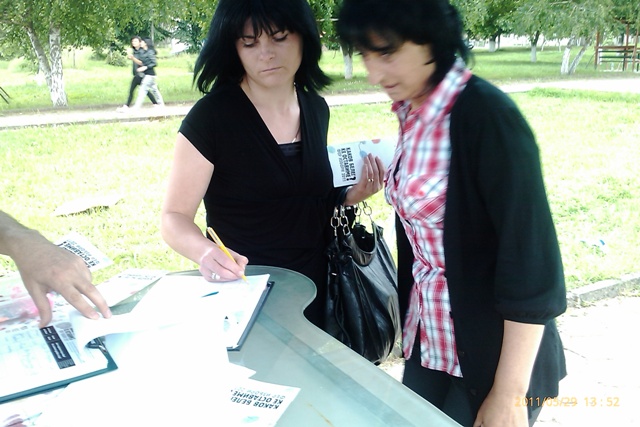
96 344
254 317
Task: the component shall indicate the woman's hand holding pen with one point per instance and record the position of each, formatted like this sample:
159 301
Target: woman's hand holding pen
216 266
372 180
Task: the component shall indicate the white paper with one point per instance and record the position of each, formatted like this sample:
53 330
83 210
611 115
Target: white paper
86 203
171 375
172 362
239 299
171 300
27 362
346 159
127 283
79 245
257 403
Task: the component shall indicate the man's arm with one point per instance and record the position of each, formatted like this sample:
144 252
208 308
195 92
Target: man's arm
46 267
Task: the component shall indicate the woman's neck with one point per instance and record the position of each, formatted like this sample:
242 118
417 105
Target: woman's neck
280 98
278 108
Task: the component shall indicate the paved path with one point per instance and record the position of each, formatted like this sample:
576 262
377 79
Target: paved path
603 382
8 120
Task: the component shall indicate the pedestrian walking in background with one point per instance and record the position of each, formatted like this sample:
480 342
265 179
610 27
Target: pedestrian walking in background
148 85
134 56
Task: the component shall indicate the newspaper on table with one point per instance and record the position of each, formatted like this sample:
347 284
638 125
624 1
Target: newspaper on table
35 360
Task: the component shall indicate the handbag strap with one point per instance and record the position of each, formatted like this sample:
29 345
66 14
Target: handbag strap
340 221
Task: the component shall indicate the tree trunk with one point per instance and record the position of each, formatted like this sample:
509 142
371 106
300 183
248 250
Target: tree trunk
492 44
58 94
534 44
576 60
43 62
347 57
564 67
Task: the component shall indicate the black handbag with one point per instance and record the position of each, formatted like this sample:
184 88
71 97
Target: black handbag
362 291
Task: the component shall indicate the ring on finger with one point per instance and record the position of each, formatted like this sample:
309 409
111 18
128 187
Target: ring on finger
370 180
215 276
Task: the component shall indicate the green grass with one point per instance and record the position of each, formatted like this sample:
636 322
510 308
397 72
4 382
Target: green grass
91 82
588 143
590 151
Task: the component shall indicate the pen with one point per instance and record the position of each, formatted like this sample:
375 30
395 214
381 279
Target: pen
221 245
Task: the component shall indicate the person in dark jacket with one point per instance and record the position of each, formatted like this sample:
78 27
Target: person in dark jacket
147 69
134 56
479 268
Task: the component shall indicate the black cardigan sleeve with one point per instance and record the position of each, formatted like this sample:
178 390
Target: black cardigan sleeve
499 233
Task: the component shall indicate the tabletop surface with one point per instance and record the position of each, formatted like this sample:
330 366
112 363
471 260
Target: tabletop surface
337 386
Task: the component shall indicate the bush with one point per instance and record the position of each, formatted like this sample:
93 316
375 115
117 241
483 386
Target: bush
117 58
22 65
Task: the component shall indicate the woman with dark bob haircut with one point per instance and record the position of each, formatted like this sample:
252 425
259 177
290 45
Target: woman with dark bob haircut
218 61
480 275
254 148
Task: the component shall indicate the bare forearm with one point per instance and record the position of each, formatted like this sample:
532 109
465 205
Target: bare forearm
14 237
184 236
519 349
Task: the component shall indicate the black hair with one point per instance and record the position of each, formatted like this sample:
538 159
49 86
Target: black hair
149 43
218 61
433 22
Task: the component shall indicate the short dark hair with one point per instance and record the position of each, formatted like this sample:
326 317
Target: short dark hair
433 22
219 63
149 43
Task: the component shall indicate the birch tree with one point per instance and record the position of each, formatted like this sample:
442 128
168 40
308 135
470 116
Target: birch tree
46 27
577 21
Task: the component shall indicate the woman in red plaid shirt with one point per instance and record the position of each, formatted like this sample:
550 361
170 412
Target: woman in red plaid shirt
479 268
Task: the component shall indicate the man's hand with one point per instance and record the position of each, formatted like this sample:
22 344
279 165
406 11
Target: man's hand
46 267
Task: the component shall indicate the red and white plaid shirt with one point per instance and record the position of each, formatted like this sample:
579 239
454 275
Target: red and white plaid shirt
416 185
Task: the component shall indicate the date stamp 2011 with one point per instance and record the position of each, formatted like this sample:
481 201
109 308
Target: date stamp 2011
571 401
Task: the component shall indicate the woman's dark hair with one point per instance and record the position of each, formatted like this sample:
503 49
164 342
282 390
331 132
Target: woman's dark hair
149 44
433 22
219 63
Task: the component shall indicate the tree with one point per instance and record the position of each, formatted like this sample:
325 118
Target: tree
531 19
49 26
46 27
487 19
577 21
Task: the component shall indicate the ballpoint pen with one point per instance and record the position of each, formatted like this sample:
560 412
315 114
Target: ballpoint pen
221 245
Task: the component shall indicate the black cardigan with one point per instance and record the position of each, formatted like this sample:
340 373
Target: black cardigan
502 257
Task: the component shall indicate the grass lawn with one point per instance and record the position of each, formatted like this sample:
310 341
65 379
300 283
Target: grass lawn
588 144
590 170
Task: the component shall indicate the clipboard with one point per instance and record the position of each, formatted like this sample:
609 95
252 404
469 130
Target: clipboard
254 316
61 379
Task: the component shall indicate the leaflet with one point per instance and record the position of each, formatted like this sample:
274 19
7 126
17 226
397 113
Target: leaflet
346 159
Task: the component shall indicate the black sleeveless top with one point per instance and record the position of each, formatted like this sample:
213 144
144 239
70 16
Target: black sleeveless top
270 205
